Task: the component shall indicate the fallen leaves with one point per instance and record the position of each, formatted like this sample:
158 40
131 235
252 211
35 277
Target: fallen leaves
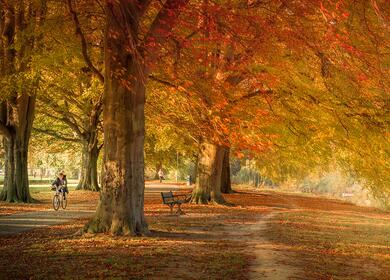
330 239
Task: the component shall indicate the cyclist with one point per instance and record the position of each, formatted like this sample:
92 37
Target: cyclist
61 182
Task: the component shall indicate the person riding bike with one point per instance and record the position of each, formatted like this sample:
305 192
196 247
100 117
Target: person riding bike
61 182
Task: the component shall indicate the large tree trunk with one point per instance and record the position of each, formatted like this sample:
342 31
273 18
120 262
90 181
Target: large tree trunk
17 111
16 186
226 185
89 176
208 187
121 206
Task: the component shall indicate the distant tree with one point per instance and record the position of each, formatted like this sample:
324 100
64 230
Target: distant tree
72 93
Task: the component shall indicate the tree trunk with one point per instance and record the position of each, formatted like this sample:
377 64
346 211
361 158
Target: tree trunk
195 172
89 178
121 206
158 167
17 111
208 187
16 186
226 185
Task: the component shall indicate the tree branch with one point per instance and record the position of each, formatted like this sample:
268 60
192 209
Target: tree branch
143 6
250 95
64 119
168 84
162 26
84 47
55 134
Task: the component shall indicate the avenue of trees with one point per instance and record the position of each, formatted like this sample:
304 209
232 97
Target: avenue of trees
294 86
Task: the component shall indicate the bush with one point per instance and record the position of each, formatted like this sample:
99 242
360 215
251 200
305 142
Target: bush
249 176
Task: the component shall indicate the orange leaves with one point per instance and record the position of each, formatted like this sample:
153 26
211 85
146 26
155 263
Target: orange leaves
362 77
345 14
174 247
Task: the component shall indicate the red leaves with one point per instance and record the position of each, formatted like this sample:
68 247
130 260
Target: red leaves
362 77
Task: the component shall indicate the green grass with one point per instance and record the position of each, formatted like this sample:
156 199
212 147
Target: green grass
34 189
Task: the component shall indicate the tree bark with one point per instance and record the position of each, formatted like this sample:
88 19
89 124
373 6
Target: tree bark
17 112
208 187
120 210
16 186
89 178
195 173
121 205
226 185
90 151
158 167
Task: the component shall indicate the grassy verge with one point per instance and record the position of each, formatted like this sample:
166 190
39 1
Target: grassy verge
195 246
319 238
44 188
37 181
351 243
106 257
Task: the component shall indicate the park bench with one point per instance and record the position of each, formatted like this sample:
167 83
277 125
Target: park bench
171 200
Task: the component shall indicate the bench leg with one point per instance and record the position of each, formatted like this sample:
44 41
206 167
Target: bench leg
179 211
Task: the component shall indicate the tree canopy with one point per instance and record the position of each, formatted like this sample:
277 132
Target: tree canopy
295 86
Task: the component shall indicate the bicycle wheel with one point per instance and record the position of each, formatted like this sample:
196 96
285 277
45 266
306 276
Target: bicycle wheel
64 201
56 202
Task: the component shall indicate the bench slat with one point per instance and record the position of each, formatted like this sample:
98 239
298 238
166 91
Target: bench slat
169 198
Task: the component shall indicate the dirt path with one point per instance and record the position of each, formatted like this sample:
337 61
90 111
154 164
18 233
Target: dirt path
269 262
12 224
270 258
21 222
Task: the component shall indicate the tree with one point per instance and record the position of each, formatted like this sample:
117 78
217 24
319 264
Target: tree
214 73
48 154
72 93
316 36
226 184
129 52
78 107
162 144
20 39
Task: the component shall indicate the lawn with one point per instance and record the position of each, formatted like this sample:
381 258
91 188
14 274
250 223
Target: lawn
321 238
334 240
194 246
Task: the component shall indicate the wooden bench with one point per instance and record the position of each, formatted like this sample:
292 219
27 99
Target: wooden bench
171 200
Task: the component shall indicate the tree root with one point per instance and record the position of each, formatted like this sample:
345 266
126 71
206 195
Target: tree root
116 229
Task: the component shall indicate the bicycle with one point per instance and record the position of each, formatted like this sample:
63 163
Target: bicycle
59 198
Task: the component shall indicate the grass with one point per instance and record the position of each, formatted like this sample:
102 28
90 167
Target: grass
345 242
41 182
193 247
320 238
35 189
